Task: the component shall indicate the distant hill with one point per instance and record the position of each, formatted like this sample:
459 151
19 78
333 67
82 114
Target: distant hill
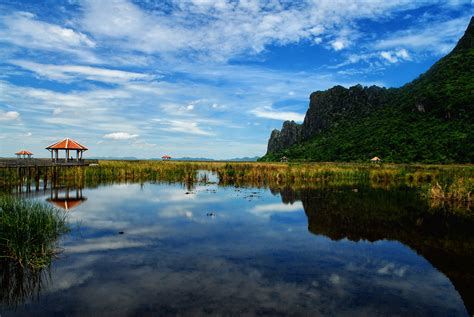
427 120
114 158
133 158
239 159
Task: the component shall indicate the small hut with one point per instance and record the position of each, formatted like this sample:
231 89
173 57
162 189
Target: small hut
375 159
23 154
284 159
166 157
67 145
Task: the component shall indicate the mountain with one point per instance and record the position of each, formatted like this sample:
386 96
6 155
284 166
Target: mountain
428 120
244 159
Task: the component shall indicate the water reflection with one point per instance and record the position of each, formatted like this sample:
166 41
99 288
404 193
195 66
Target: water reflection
444 239
66 198
255 256
19 284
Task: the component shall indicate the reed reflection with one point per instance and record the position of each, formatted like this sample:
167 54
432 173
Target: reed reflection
19 284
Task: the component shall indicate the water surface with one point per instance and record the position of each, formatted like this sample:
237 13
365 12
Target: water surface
167 249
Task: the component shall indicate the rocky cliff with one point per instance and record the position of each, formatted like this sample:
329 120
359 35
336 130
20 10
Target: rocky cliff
326 108
427 120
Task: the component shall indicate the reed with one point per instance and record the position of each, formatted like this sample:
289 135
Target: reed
29 231
460 190
257 174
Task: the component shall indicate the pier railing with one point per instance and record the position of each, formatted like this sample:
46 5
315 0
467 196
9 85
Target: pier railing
39 162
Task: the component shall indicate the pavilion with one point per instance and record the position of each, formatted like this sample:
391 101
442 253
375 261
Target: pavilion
66 145
23 154
166 157
376 159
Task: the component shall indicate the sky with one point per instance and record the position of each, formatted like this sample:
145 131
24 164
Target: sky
199 78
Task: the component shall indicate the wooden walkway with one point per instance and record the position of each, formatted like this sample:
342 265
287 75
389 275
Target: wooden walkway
37 162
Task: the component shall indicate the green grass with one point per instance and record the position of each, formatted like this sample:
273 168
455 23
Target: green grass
29 231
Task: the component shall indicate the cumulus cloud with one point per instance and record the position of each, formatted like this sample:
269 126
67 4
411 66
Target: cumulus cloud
270 113
120 136
9 115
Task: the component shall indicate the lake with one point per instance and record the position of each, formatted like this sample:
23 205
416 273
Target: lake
171 249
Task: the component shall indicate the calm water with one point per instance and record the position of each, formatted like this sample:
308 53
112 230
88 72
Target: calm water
164 249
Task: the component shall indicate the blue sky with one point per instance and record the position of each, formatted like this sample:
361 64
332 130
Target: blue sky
199 78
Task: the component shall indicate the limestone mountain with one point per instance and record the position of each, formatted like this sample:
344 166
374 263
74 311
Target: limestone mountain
427 120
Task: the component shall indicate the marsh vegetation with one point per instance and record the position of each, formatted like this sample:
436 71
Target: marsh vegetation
448 183
29 232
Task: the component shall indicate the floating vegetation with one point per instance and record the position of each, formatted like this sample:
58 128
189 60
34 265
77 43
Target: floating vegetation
29 232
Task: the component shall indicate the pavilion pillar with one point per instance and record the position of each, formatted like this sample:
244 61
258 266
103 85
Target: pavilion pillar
52 155
77 155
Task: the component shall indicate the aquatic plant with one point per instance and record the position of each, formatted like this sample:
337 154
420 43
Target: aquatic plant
460 190
29 231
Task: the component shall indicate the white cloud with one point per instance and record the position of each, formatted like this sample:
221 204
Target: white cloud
437 37
395 56
23 29
57 111
270 113
9 115
222 30
120 136
75 72
337 45
183 126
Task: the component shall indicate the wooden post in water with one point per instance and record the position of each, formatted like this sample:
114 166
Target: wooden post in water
45 178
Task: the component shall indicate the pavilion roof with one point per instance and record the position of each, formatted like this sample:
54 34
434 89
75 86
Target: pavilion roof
166 156
67 144
24 152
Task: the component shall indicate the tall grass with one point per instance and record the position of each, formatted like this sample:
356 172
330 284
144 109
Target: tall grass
260 174
460 190
29 231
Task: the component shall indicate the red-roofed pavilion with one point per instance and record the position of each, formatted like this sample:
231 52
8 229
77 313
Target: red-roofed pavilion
24 153
166 157
66 145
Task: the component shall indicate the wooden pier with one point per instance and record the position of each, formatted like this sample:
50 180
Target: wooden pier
37 162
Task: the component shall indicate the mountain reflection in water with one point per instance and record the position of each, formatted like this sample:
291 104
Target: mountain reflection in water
254 255
443 238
